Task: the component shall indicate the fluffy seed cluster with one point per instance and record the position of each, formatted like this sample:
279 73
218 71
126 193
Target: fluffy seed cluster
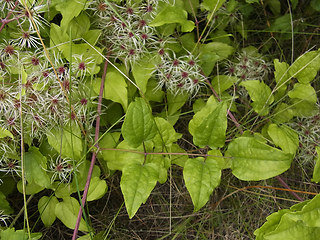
309 137
179 75
125 29
248 67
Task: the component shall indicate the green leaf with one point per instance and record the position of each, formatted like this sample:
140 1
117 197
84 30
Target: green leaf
115 88
220 83
315 4
57 35
201 178
46 207
109 140
306 67
11 234
118 159
5 133
139 125
300 222
208 126
271 224
284 137
97 189
166 135
316 170
212 52
253 160
303 91
69 144
70 9
212 5
281 76
260 94
67 212
35 166
175 102
179 160
142 70
4 205
78 26
136 184
282 113
172 14
191 5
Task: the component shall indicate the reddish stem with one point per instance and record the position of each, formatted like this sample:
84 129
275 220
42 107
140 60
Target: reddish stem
6 20
93 159
284 184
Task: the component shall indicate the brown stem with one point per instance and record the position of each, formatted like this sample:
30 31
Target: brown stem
93 159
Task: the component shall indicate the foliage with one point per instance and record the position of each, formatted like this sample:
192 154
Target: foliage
112 80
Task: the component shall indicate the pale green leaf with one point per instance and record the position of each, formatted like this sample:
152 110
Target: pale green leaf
208 126
97 189
260 94
70 143
284 137
67 212
46 207
35 166
136 184
171 14
139 125
316 170
201 178
306 67
253 160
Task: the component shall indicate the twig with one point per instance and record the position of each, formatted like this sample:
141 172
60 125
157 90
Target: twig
93 159
6 20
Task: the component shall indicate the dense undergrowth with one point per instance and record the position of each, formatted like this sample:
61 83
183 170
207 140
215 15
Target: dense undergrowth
163 119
